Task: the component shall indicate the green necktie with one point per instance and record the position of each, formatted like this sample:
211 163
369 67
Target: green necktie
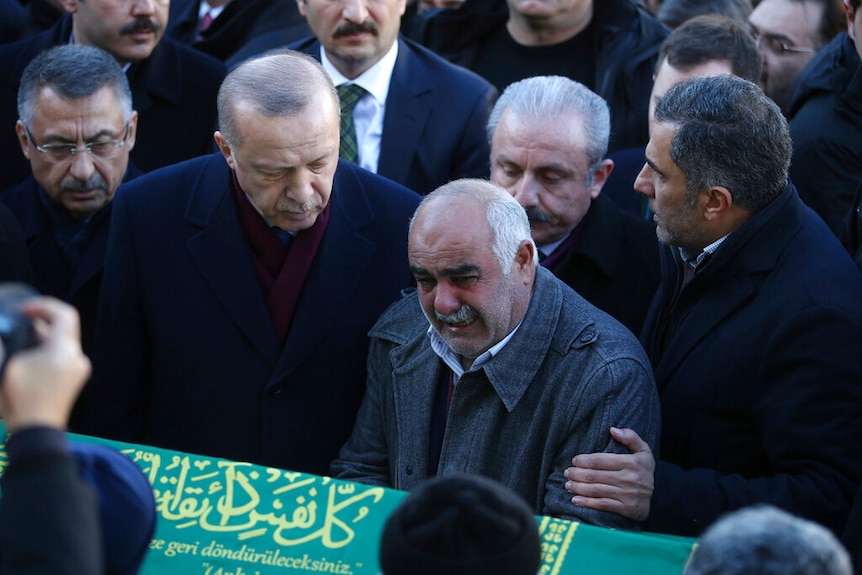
349 95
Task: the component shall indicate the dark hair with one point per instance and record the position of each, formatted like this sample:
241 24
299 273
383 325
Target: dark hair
278 83
855 4
73 71
707 38
833 21
673 13
728 134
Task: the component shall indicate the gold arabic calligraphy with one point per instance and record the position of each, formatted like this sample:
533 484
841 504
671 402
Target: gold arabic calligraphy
225 497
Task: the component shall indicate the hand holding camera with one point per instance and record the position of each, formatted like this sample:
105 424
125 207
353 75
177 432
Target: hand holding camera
45 368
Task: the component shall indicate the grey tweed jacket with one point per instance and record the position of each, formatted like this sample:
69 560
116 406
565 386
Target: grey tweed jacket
569 373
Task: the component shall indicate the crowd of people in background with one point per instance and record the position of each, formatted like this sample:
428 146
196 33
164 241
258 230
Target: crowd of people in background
604 254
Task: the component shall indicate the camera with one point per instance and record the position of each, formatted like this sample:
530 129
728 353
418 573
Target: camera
16 329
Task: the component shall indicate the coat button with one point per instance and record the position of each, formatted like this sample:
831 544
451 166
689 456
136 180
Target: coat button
276 390
409 470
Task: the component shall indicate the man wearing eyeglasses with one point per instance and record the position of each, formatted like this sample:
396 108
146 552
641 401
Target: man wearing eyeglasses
76 128
789 33
174 87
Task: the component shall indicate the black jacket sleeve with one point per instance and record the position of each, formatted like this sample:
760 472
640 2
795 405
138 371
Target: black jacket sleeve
49 521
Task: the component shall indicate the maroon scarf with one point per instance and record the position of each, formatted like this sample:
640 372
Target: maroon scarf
281 269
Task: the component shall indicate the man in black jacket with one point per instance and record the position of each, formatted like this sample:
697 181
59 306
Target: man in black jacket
754 333
608 46
77 129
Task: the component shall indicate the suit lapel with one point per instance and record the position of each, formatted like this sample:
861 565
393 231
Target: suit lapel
38 235
408 106
93 259
157 78
714 304
219 251
729 280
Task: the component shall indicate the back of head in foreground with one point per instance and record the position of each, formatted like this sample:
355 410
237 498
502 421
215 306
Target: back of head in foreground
764 540
461 525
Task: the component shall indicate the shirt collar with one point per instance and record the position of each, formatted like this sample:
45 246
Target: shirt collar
548 249
205 9
707 252
374 80
451 359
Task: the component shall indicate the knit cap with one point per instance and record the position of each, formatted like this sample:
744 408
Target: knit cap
461 525
127 509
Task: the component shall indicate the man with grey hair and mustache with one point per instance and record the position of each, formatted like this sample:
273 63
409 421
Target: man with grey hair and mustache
493 366
239 287
76 129
549 136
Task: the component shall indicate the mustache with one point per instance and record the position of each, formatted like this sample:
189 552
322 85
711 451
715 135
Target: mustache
537 216
465 314
94 182
140 25
292 207
349 28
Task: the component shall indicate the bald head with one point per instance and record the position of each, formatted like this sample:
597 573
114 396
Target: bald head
474 262
281 83
505 217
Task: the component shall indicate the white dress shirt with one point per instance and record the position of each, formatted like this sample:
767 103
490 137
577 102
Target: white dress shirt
369 111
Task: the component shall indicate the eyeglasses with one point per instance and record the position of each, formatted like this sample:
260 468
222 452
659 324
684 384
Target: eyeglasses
775 45
104 149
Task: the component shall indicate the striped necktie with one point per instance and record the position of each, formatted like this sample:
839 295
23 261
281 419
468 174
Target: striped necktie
349 95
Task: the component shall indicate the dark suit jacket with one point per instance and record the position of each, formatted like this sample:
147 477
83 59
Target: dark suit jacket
174 92
52 273
614 265
188 356
49 514
13 16
240 22
851 235
825 121
14 259
760 379
434 129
